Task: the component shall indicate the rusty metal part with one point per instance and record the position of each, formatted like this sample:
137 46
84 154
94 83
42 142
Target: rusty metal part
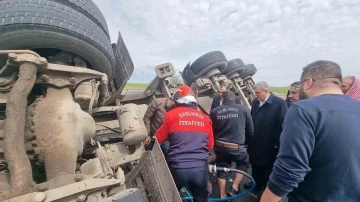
131 122
14 126
152 168
60 121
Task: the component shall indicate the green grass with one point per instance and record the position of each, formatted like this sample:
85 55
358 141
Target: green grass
142 86
136 86
279 90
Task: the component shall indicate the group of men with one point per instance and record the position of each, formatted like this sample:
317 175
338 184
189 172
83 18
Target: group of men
308 144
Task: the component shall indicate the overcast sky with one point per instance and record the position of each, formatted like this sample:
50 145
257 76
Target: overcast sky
278 36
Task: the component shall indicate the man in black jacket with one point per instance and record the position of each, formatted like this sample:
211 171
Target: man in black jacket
217 100
233 128
268 113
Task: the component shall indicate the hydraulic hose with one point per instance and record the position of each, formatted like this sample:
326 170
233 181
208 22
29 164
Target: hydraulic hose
214 169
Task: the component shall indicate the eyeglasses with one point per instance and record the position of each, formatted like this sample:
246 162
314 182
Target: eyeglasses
316 79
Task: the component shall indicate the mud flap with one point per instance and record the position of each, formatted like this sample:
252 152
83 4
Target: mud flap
122 72
124 64
153 177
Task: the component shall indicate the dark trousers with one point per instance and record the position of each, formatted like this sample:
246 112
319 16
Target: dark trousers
196 179
261 175
224 157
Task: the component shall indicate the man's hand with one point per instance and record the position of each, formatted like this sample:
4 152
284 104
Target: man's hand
147 140
268 196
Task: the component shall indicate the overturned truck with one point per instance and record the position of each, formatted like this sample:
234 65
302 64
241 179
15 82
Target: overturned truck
68 130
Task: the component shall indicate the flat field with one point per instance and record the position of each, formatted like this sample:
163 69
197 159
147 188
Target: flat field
141 86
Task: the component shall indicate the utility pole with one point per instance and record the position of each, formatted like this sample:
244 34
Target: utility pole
142 78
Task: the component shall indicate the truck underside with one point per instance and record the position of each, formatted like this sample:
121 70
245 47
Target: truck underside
68 130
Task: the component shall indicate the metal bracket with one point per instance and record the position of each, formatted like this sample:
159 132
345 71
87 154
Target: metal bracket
80 187
119 155
165 70
203 83
61 76
16 58
62 179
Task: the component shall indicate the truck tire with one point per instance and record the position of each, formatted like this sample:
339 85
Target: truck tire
76 26
235 65
250 70
209 61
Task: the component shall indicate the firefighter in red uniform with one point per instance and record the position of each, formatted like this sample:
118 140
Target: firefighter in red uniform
190 136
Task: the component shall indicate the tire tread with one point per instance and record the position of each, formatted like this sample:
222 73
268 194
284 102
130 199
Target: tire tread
206 60
53 14
237 64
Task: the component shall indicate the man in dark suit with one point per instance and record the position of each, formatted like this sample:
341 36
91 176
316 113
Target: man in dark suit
268 113
218 99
